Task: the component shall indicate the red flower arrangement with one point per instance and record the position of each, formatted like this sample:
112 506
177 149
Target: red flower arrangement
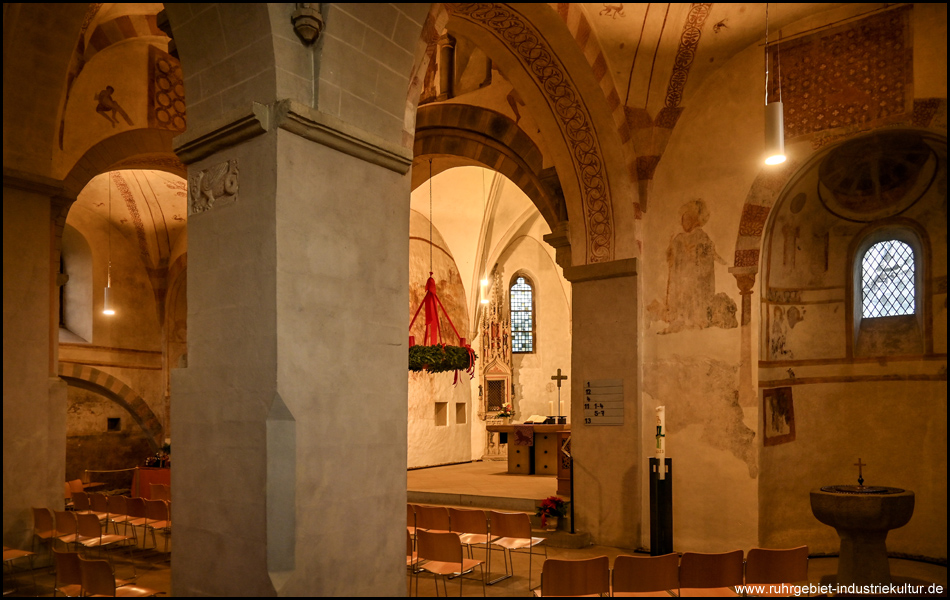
552 506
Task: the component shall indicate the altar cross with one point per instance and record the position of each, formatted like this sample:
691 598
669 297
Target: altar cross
859 465
559 378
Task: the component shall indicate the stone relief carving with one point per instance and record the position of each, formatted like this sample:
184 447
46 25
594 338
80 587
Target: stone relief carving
215 185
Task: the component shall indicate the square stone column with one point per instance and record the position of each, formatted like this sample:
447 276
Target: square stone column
290 419
34 398
607 461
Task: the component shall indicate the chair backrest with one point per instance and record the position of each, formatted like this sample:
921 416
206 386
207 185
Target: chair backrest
158 491
75 485
443 547
67 568
65 522
88 526
67 493
512 525
777 566
646 573
432 517
702 570
135 507
81 501
410 515
116 505
575 577
98 502
156 510
97 577
43 521
465 520
408 543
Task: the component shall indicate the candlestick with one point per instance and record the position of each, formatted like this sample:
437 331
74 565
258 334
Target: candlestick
660 452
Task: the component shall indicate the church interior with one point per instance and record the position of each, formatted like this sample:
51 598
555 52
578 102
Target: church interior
260 193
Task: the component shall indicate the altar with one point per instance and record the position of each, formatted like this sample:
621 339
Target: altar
533 449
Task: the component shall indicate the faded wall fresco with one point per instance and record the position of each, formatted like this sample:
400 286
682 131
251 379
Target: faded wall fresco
703 391
691 300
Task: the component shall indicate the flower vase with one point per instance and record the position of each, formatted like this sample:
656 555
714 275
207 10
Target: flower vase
551 524
506 420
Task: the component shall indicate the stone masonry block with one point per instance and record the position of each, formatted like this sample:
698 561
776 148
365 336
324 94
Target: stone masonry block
379 17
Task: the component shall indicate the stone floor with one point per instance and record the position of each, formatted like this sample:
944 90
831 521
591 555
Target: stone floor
477 484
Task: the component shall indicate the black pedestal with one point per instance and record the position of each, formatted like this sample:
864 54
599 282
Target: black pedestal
661 509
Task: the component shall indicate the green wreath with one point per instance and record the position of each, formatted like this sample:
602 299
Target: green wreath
439 358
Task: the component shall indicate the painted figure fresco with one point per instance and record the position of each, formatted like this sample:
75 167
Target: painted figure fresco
691 298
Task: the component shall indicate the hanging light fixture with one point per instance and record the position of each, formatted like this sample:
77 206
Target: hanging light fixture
774 114
107 308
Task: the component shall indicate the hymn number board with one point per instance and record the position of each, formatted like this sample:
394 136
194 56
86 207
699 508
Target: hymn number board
603 402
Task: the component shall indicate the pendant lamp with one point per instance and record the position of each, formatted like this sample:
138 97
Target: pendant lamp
774 113
107 307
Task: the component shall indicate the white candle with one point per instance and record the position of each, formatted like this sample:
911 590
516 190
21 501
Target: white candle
661 441
550 407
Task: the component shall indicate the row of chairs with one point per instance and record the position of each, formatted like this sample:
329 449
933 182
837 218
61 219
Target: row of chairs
440 534
87 525
695 574
78 576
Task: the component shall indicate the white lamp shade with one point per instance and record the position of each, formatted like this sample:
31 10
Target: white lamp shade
774 133
107 308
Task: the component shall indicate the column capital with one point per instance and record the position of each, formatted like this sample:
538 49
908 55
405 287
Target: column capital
745 278
626 267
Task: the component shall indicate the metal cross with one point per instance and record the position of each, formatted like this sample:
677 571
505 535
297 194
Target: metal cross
859 465
559 377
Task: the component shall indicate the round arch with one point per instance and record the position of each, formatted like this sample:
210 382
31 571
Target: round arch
460 130
118 391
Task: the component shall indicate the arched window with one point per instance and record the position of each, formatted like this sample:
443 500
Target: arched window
521 301
888 273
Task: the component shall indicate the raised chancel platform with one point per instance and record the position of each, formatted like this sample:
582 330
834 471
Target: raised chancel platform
479 485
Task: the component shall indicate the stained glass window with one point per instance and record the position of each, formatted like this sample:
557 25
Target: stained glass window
522 316
887 280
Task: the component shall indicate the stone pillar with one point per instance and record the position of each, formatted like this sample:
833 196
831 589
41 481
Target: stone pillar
290 419
34 397
607 461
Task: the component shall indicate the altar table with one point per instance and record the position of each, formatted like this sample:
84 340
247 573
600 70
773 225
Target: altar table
540 458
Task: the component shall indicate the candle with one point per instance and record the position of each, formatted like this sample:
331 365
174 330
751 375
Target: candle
551 407
660 452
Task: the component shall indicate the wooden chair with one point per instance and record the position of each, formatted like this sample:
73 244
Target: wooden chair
90 534
776 568
444 558
68 580
138 516
645 575
116 507
99 580
67 496
158 520
472 527
703 574
44 528
512 532
10 556
412 559
411 519
433 518
575 577
65 527
158 491
81 504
